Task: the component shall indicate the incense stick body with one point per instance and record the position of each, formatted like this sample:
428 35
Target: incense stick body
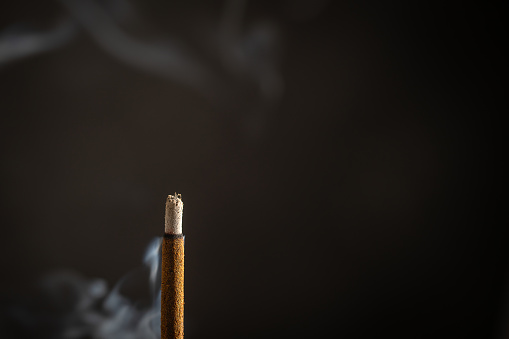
172 271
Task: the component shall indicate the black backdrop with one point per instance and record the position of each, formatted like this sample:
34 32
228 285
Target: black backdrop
359 204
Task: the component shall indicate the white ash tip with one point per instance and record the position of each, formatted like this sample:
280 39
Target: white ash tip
173 215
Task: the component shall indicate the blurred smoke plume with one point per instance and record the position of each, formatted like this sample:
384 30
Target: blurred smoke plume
241 67
20 42
68 306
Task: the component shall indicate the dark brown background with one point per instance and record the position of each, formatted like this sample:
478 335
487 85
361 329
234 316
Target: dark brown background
361 207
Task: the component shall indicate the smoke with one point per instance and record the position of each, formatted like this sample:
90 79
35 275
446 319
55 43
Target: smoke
18 42
242 53
163 58
69 306
238 69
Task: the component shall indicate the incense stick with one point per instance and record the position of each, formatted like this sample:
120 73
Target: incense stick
172 271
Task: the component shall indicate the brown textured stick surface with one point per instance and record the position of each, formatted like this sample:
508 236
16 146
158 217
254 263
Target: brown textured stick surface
172 287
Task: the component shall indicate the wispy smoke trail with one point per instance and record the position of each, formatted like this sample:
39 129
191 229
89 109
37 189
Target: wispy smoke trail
17 45
240 70
246 55
72 307
164 58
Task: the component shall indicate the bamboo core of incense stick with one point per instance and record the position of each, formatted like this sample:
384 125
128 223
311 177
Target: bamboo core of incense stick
172 272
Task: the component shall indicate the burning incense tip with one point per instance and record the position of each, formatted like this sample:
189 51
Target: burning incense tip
173 215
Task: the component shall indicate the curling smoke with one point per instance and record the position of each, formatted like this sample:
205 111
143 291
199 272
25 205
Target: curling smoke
240 70
72 307
21 42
